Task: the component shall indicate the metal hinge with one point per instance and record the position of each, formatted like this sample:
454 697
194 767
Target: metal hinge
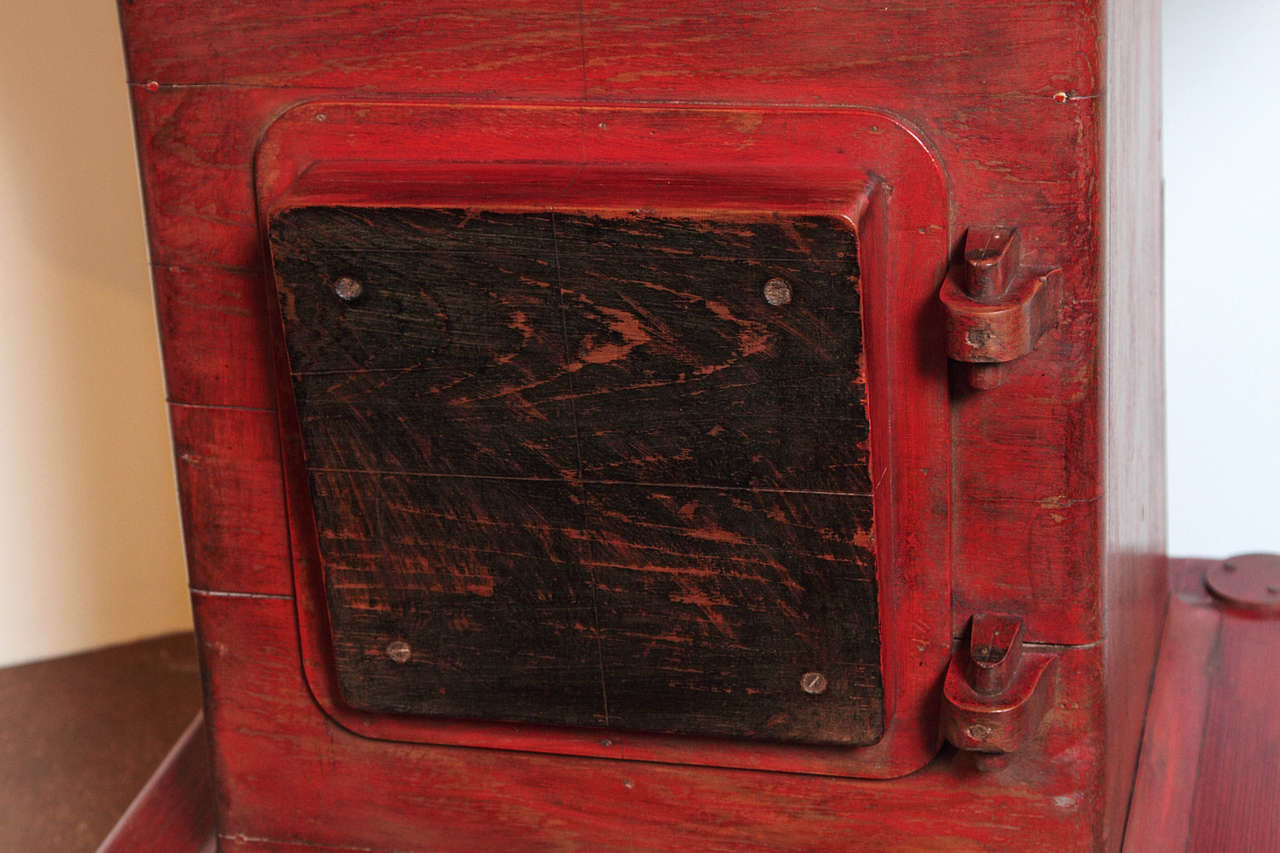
996 309
996 693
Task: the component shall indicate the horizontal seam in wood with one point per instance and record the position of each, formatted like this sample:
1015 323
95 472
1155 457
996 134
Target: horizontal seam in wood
231 268
1066 503
220 406
411 98
253 839
588 482
1046 647
214 593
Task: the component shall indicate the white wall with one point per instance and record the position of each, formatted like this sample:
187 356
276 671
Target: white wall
90 547
1222 279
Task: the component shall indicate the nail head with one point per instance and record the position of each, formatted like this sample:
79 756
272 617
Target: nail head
777 291
399 651
348 289
813 683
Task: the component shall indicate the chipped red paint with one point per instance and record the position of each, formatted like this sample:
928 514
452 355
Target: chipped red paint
1041 498
915 405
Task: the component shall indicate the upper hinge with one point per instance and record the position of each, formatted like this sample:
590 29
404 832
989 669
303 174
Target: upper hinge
996 309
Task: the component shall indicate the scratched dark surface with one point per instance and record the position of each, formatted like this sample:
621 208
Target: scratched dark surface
585 470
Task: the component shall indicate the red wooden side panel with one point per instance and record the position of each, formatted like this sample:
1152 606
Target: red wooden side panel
1009 97
1133 565
232 491
288 774
1208 779
214 331
1010 111
1163 794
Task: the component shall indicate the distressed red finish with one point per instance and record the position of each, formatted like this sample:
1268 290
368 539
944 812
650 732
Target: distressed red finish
1208 779
1041 498
902 257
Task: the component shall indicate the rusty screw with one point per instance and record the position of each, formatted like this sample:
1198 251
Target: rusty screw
777 292
398 651
978 732
813 683
348 289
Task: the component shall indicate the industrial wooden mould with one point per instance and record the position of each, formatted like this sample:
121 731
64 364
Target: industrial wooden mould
671 425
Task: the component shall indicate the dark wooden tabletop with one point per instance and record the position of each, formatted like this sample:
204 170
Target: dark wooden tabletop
80 735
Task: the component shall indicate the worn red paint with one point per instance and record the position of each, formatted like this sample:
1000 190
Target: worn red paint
1053 503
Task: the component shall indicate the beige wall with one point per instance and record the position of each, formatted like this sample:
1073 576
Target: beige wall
90 546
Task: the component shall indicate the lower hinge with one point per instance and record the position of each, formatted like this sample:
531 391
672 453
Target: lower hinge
996 693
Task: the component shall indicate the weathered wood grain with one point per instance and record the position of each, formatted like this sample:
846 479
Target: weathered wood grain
712 606
231 490
450 362
357 792
1028 173
684 373
1133 516
569 360
1207 779
213 328
482 579
1160 817
914 403
1009 98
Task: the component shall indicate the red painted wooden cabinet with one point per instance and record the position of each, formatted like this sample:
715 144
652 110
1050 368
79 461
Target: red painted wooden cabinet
663 426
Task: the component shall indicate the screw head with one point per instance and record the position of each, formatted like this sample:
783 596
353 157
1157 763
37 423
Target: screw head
777 291
348 289
813 683
398 651
978 732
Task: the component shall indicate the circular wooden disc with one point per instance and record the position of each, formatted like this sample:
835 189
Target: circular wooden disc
1249 580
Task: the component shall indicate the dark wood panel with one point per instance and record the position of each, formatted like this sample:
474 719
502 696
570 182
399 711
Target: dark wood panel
480 578
451 360
297 232
713 605
685 373
486 419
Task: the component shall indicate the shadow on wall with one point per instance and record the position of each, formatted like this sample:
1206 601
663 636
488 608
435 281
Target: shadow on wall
88 515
